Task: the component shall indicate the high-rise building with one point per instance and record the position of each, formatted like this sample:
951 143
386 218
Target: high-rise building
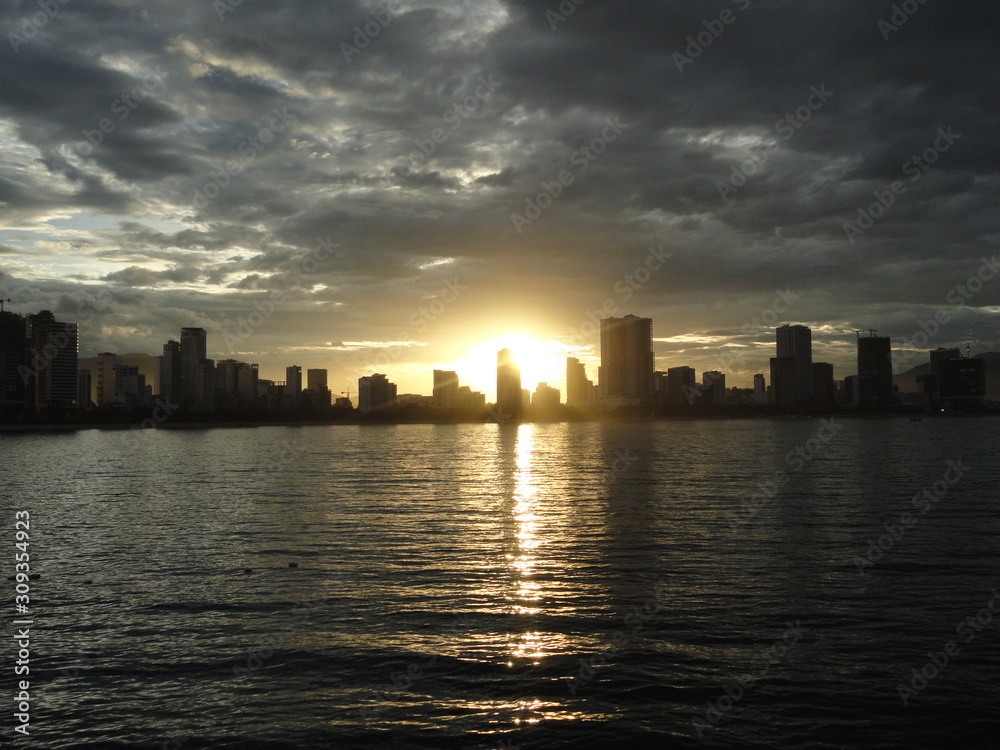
794 343
106 362
626 361
194 351
14 370
84 400
713 387
129 387
681 386
759 390
54 355
579 388
508 386
317 388
470 400
376 392
204 386
824 390
293 384
962 382
445 391
875 363
170 372
545 401
784 389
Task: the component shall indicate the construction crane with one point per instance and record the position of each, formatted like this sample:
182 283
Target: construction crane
871 331
2 300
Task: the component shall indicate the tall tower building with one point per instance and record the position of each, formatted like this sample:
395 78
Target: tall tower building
106 363
627 360
713 387
875 363
194 351
793 343
680 386
508 386
170 372
293 384
13 363
375 392
578 385
445 393
54 353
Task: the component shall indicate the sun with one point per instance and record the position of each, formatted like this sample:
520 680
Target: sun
540 361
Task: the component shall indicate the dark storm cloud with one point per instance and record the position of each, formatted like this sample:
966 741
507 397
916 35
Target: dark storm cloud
749 132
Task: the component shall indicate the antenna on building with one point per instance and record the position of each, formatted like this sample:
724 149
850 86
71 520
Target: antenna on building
871 331
2 300
857 332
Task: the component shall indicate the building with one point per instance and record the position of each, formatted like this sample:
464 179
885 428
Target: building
129 387
681 388
508 386
626 375
759 390
579 388
376 392
204 386
875 363
470 400
962 382
84 401
293 384
170 372
106 363
317 388
784 391
713 388
14 371
53 350
824 390
236 384
545 400
445 393
793 343
193 351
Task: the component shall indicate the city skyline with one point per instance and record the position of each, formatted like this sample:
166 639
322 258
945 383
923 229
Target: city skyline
313 203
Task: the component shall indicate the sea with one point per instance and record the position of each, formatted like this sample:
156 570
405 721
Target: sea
758 583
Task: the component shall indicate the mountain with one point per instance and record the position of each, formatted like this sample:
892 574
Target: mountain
907 381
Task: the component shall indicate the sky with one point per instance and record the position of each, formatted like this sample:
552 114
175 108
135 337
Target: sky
408 185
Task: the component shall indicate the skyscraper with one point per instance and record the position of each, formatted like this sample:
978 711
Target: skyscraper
293 384
578 385
875 363
713 387
170 372
14 372
54 354
445 392
680 386
794 343
194 350
106 362
375 392
508 386
626 361
824 390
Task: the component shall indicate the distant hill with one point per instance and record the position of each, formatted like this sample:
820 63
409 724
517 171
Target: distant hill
148 365
907 381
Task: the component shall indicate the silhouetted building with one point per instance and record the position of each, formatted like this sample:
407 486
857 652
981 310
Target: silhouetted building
508 386
858 391
375 392
170 372
713 387
84 401
626 375
470 400
317 388
194 351
293 384
129 386
236 384
445 393
579 388
14 371
204 387
759 390
54 356
545 401
106 362
824 390
681 389
784 389
962 382
793 343
875 363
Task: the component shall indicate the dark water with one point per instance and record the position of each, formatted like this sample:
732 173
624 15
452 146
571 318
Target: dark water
453 580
